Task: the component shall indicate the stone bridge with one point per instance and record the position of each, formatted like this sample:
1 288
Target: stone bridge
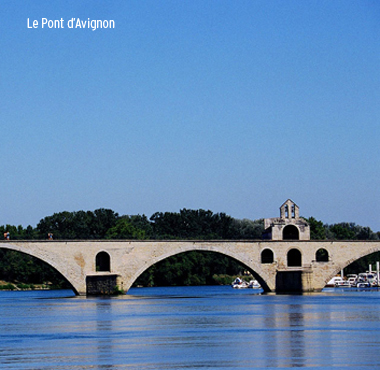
284 265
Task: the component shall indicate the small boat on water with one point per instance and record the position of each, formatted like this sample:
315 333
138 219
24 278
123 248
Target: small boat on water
363 285
342 284
362 280
352 279
366 280
334 282
338 282
254 284
241 284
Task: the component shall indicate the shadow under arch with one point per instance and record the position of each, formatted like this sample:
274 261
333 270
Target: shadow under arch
199 252
52 271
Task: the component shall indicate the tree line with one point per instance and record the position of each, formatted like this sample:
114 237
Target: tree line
107 224
192 268
185 224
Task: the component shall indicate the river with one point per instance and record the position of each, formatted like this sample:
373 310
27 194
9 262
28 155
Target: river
190 328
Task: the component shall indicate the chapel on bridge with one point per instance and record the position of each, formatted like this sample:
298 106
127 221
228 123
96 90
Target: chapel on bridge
289 226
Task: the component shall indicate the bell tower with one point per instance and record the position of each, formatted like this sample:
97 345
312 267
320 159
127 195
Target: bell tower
289 226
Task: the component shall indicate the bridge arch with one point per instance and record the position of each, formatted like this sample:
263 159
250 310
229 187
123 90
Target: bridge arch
348 262
45 260
254 267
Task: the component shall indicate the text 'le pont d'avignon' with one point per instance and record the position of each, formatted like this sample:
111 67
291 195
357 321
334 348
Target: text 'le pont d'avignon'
93 24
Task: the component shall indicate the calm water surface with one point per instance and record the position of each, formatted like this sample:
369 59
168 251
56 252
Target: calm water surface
190 328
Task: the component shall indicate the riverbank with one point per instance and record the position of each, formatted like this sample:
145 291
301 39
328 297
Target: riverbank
5 285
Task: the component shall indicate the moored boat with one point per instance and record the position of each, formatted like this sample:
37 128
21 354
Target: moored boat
334 281
367 279
342 284
363 285
352 279
239 284
254 284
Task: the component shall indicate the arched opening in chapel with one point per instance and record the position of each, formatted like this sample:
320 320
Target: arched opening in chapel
290 232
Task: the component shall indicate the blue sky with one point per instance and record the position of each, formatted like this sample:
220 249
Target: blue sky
232 106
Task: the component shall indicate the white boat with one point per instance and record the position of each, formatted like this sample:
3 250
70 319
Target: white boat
363 285
334 281
342 284
362 280
352 279
254 284
367 279
239 284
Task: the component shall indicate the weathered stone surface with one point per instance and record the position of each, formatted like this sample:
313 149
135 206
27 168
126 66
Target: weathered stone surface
75 260
101 284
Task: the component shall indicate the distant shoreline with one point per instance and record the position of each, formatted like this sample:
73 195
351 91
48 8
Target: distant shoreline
18 286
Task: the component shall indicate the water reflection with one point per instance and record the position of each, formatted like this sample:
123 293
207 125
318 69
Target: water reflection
197 328
284 331
104 326
295 320
271 321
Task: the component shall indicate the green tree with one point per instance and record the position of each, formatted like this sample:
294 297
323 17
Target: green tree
100 221
317 229
192 224
247 229
18 232
18 267
141 222
125 230
350 231
78 225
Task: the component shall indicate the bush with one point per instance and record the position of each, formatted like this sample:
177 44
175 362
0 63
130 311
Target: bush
7 287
